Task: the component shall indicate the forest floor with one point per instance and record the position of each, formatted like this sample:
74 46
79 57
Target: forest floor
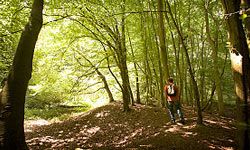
144 127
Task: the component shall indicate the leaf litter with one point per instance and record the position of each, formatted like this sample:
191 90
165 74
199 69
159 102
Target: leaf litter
144 127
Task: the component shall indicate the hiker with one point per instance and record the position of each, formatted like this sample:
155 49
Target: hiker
172 94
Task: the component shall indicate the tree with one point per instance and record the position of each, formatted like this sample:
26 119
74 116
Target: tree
240 63
103 78
162 38
12 112
12 20
214 45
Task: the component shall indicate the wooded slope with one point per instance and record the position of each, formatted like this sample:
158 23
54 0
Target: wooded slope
144 127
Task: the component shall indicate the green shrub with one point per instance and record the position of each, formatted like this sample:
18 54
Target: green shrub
55 112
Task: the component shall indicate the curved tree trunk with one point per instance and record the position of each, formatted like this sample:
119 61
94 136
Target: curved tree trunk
103 78
12 114
106 86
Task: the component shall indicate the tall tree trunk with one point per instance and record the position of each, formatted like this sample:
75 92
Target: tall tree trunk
12 114
144 34
122 57
150 63
190 70
202 66
240 62
160 80
214 45
162 37
138 98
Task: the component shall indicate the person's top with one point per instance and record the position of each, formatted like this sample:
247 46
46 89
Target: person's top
172 92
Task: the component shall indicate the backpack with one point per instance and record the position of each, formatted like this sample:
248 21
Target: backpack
171 90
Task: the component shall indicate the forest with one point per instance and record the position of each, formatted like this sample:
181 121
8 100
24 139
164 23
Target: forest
90 74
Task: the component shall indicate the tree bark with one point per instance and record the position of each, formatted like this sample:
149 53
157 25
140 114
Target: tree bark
106 86
138 98
12 114
240 63
122 57
162 38
160 84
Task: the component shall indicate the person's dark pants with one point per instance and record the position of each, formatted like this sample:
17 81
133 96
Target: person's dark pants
175 104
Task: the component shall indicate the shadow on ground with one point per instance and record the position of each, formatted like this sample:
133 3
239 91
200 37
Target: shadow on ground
144 127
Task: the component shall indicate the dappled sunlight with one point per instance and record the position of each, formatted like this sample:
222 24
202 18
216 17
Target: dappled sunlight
184 131
45 140
189 134
30 124
220 123
128 138
142 127
192 126
174 128
39 122
102 114
211 121
212 145
88 132
93 130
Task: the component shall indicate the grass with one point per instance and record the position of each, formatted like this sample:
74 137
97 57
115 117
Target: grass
55 112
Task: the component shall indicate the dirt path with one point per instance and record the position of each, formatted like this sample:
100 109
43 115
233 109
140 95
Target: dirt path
144 127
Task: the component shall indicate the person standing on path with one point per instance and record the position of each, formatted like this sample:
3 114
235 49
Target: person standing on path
172 94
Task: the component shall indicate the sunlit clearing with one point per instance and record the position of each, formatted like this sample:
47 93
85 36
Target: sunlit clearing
30 124
40 122
100 102
97 103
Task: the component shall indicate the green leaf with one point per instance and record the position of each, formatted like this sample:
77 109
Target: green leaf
243 16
